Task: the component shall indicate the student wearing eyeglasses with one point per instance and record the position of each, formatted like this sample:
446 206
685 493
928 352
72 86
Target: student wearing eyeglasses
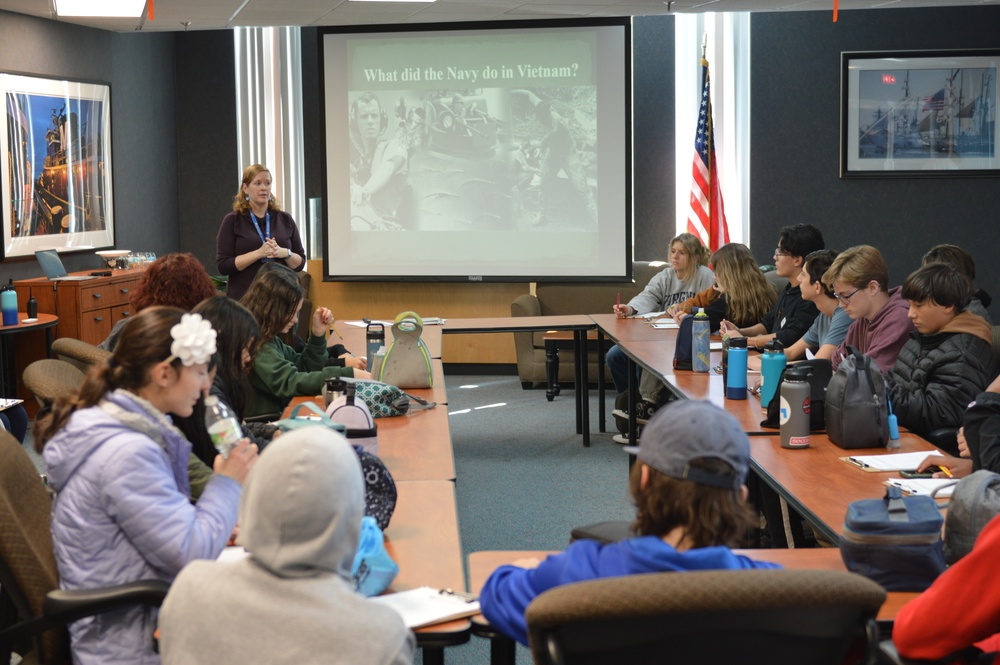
859 278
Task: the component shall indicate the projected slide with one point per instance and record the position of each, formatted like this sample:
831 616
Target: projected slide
484 154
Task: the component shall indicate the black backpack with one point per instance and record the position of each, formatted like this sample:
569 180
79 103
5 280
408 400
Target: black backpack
820 371
682 349
857 414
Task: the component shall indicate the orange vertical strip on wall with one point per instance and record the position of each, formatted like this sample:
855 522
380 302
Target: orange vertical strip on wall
149 13
834 10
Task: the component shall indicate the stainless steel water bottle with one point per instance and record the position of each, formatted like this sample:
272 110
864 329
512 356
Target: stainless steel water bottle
795 405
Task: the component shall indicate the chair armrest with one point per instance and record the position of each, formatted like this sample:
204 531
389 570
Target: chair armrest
526 305
69 605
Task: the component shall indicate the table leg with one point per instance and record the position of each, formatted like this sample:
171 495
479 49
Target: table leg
48 342
583 393
601 410
633 390
433 655
551 369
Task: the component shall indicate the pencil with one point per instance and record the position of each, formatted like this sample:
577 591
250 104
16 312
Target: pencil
946 471
335 331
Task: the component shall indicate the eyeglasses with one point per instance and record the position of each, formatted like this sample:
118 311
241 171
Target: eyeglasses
847 298
780 252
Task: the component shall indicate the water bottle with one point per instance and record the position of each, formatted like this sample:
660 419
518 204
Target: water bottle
374 340
794 408
32 306
222 425
771 365
736 375
333 388
893 427
700 360
8 304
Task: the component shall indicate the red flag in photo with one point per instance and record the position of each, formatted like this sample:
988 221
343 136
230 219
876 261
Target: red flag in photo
707 218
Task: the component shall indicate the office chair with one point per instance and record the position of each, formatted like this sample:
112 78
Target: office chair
51 379
780 616
78 352
33 611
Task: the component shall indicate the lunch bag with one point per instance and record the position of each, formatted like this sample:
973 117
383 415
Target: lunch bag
856 407
385 400
359 426
894 541
407 362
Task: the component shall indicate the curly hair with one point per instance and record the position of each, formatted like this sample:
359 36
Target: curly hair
173 280
144 342
709 516
748 295
240 204
272 298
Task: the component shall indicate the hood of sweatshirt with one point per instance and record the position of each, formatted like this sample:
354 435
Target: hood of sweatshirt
969 323
301 508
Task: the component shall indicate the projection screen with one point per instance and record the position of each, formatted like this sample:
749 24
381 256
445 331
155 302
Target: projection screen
485 152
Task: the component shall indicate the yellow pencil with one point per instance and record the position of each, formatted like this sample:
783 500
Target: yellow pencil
335 331
946 471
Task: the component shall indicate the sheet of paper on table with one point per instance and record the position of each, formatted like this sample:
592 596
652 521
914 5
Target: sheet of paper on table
424 606
924 486
892 462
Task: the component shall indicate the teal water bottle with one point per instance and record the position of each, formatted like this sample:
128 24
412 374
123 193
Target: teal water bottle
771 365
736 374
700 348
8 304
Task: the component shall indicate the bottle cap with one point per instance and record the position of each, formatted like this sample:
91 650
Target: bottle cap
738 342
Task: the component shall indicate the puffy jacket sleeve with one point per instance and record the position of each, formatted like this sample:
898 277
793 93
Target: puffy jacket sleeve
142 497
982 431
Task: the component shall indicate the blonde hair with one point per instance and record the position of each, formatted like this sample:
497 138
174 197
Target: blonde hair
240 204
858 266
748 295
696 251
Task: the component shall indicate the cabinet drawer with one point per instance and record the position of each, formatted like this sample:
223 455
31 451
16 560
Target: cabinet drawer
120 312
106 295
95 325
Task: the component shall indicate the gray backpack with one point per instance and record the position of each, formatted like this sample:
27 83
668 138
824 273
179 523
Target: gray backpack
974 502
857 414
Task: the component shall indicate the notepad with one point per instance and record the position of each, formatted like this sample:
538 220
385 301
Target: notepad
7 403
923 486
663 324
425 606
892 462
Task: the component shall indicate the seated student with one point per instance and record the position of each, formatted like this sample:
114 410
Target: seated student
792 315
292 600
962 261
948 360
686 276
740 293
830 327
859 277
959 609
689 488
15 420
279 372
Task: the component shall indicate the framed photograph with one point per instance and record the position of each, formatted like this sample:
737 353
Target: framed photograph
56 171
922 113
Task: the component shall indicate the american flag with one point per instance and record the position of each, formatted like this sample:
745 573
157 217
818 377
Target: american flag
707 218
935 102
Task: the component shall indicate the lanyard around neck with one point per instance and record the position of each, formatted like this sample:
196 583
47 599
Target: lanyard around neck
267 225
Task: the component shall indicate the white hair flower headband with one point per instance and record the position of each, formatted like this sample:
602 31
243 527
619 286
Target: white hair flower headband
194 341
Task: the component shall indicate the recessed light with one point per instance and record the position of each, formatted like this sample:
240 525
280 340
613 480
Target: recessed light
105 8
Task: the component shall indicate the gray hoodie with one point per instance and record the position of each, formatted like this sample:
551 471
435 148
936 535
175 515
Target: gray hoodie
292 600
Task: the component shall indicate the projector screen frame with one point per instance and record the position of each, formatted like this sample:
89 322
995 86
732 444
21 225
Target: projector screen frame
615 263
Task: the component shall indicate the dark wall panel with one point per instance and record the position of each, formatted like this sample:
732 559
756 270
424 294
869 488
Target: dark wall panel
796 132
139 69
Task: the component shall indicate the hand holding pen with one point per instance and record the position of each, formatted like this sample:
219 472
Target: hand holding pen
621 311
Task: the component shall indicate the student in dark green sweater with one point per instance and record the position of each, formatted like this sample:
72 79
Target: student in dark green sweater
279 372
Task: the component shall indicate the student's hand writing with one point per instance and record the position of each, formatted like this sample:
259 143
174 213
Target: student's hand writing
729 330
959 468
361 374
963 445
621 311
322 318
354 361
241 459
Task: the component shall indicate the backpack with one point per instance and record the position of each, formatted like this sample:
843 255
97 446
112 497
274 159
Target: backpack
820 372
974 502
856 408
682 350
407 362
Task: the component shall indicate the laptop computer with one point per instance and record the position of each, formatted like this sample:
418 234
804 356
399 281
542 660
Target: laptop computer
54 269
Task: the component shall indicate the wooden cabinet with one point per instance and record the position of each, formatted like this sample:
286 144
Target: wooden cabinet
88 309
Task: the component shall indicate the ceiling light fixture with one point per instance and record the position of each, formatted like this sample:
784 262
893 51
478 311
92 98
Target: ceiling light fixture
104 8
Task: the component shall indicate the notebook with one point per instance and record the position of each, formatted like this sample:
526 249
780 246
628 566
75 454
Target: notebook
54 269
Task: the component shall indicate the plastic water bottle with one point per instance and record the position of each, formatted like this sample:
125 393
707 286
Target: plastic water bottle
700 360
8 304
795 407
222 425
736 374
771 365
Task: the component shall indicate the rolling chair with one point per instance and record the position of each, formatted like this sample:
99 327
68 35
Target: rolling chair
78 352
51 379
784 616
33 611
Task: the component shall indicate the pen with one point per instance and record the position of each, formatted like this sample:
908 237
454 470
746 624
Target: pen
946 471
618 300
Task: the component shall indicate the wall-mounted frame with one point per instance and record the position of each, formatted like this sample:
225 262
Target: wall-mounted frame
56 171
919 113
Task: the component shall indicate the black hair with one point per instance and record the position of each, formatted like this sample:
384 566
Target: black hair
816 265
800 240
941 283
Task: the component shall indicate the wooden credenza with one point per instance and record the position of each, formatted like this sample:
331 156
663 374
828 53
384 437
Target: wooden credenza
87 309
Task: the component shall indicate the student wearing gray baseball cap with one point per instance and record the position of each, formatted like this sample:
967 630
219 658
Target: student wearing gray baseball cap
689 489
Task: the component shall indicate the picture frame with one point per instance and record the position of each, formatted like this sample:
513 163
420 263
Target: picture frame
56 172
919 114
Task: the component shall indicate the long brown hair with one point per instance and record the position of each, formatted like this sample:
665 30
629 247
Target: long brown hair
236 329
709 516
240 203
748 295
698 254
272 298
145 341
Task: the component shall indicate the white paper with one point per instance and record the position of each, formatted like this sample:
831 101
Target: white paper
362 324
923 486
715 346
649 316
894 462
424 606
664 326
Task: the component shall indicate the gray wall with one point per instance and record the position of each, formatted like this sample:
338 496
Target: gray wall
139 68
796 133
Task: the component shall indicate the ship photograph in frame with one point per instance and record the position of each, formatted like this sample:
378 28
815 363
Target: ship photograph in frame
56 171
920 113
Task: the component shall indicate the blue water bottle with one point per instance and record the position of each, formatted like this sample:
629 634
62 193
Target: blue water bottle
736 375
699 342
771 365
8 304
